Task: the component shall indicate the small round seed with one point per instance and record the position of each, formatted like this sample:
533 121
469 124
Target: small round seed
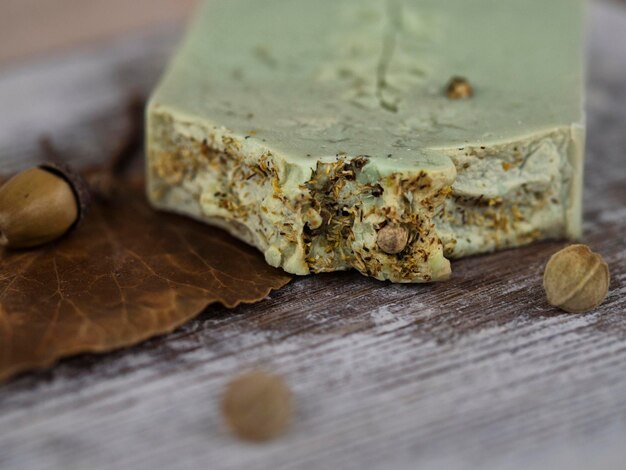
257 406
392 239
576 279
459 88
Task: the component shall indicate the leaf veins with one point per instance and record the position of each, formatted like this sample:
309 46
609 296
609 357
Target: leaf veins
127 274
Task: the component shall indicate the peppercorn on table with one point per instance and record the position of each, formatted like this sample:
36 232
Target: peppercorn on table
476 372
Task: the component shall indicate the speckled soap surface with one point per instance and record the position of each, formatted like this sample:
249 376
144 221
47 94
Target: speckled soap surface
306 128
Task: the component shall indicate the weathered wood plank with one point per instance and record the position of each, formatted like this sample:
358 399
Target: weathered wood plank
476 372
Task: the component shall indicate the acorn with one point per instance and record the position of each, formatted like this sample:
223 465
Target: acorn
40 205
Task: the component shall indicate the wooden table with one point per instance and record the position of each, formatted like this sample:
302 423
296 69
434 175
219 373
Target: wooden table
478 372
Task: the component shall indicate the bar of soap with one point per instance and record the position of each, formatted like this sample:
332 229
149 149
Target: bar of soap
321 131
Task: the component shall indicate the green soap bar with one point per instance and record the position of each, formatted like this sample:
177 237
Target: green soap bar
321 131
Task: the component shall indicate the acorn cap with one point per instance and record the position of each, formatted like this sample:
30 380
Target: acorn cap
78 185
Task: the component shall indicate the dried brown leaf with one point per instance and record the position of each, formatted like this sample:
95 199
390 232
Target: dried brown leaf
128 273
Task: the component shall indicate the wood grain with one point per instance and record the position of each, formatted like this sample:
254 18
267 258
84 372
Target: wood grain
478 372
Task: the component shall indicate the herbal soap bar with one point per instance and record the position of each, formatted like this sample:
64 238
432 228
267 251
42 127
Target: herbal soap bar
321 131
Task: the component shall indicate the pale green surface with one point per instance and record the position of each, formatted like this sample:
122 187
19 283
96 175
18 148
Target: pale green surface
305 82
303 74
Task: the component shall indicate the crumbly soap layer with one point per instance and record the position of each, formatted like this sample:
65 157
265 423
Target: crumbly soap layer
319 132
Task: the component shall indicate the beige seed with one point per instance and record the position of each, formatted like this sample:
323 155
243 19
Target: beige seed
36 207
392 239
576 279
459 88
257 406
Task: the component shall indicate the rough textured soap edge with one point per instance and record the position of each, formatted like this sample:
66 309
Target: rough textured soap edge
173 142
576 157
526 218
570 155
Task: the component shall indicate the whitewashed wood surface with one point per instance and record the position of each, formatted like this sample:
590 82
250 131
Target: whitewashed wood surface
476 373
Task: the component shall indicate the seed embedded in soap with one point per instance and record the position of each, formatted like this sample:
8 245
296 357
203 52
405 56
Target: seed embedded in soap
576 279
392 239
459 88
257 406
